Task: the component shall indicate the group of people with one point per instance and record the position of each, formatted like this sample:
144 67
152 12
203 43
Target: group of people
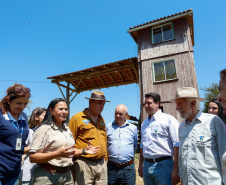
87 151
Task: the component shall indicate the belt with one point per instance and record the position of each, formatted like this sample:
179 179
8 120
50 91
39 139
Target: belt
54 169
90 159
157 159
122 164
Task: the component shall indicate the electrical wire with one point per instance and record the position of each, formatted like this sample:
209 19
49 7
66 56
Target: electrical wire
23 81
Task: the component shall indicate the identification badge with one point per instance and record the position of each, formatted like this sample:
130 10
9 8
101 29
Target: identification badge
18 143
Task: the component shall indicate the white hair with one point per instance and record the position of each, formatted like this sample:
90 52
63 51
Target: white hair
126 110
197 106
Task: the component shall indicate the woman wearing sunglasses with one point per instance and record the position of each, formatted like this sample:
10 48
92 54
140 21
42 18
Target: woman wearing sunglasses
13 132
53 147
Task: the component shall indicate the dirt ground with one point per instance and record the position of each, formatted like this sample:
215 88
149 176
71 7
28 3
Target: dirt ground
139 180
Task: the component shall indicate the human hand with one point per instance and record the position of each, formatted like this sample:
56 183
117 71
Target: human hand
140 170
91 149
175 177
65 152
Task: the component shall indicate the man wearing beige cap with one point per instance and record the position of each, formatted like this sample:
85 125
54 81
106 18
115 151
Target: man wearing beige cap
202 142
89 125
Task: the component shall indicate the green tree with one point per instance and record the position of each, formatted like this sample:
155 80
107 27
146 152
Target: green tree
211 92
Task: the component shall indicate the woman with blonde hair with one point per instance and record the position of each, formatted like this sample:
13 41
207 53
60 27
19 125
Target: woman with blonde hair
13 132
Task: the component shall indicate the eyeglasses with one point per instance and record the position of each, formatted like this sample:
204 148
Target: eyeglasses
20 90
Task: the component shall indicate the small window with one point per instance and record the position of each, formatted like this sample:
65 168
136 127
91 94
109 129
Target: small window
162 33
164 70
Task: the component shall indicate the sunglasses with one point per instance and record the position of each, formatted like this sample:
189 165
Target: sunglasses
20 90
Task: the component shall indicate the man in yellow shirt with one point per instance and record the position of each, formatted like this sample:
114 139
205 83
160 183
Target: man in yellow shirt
89 125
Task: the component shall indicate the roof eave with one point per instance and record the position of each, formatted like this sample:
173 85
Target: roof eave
130 31
160 22
134 38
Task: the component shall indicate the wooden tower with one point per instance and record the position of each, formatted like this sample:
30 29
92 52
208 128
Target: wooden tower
165 58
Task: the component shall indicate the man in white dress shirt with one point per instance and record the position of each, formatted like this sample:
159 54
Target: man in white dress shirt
159 143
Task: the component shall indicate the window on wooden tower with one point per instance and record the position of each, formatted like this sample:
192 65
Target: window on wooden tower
164 70
162 33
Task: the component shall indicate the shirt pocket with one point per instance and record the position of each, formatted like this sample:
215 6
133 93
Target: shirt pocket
88 131
207 149
204 140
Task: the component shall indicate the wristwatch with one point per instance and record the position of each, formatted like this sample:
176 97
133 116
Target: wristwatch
83 152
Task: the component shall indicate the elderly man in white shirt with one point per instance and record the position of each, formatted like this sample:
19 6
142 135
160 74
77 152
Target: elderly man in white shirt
202 142
159 143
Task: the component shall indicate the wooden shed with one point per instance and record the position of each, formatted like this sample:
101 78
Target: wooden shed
165 58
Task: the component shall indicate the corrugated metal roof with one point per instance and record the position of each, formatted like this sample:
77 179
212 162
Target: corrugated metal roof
104 66
117 73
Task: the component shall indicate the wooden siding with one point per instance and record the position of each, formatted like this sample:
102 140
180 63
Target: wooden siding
186 78
181 43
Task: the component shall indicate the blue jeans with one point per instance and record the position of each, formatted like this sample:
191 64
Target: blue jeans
121 175
12 181
158 173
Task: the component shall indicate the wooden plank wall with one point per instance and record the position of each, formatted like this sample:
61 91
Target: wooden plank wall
181 50
181 43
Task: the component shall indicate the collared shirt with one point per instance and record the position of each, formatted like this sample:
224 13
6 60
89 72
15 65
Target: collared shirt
84 129
9 116
49 138
10 159
121 142
159 135
202 144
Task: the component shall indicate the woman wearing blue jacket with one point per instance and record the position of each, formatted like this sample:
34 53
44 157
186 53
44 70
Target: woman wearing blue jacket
13 132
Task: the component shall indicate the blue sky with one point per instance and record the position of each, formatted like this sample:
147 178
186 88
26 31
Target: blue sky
43 38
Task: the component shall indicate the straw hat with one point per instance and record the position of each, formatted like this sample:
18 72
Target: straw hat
97 95
187 92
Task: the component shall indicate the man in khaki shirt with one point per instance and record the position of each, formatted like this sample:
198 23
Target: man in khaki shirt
89 125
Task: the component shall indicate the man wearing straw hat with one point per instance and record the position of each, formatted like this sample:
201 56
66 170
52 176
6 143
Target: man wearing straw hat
86 126
202 142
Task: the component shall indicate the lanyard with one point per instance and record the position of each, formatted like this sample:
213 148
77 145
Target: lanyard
17 126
